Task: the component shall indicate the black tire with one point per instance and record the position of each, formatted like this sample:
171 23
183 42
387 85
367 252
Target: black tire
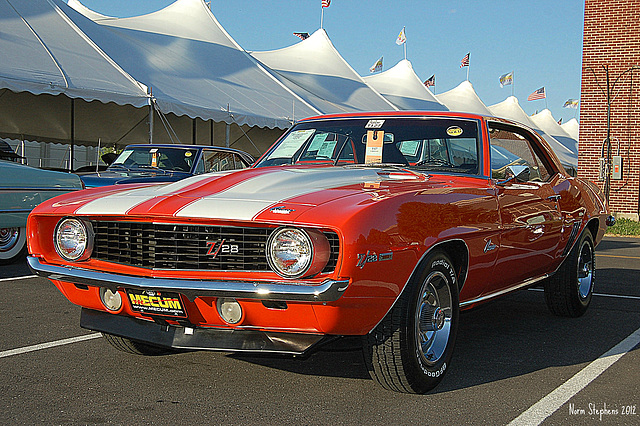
13 245
135 347
568 292
410 350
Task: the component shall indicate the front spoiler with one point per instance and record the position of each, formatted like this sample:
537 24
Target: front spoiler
327 291
213 339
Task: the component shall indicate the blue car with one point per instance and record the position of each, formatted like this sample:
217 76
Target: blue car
166 163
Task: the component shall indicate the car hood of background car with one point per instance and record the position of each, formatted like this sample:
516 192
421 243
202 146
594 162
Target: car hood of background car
269 194
14 175
93 180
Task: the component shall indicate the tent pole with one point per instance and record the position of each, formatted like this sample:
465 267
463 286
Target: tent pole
228 135
150 121
211 131
73 133
193 131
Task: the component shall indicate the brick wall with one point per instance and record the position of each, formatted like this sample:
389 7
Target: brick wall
612 38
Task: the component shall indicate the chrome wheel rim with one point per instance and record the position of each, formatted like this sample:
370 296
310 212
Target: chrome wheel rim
433 318
585 270
9 238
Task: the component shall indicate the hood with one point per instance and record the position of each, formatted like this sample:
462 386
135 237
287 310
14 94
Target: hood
14 175
273 193
93 180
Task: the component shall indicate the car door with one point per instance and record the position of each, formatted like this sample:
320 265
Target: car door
531 222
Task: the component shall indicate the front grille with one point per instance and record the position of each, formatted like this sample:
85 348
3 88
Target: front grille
181 246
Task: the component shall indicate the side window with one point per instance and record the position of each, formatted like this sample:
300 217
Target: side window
238 162
217 161
512 148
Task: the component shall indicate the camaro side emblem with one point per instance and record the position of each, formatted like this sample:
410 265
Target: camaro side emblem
216 247
490 246
281 210
371 257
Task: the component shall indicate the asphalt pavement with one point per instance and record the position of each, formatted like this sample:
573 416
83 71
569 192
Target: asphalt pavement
513 362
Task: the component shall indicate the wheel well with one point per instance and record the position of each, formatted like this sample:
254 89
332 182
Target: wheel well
458 252
593 226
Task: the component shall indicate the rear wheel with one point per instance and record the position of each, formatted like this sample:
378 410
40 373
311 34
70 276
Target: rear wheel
13 244
410 350
135 347
568 292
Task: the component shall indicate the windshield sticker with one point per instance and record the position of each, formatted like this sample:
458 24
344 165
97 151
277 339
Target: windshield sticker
317 141
188 154
454 131
327 148
374 124
409 148
123 156
373 153
292 143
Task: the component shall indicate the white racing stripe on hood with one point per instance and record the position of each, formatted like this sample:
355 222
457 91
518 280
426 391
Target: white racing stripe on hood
246 199
122 202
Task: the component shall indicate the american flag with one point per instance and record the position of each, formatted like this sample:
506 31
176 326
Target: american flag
538 94
326 3
465 61
303 36
431 81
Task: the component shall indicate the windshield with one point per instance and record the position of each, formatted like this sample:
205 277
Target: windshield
441 144
156 158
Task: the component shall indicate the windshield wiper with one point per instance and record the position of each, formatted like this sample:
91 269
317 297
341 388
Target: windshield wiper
146 166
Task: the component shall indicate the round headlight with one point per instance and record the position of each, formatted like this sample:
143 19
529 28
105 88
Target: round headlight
73 239
294 253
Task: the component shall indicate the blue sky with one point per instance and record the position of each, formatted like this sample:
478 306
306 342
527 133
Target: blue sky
541 41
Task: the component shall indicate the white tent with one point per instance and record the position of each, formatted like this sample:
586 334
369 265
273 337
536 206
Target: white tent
545 121
572 127
464 99
57 85
401 86
193 66
511 109
42 51
314 69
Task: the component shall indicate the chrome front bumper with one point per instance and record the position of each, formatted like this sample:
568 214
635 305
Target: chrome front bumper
327 291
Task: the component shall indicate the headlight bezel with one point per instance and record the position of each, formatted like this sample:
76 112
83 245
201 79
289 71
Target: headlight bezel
86 246
316 243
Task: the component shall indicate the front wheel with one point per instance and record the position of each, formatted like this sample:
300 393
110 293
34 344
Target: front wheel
135 347
410 350
568 292
13 244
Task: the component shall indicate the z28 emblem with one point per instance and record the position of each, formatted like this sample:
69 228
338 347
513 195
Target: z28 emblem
216 247
371 257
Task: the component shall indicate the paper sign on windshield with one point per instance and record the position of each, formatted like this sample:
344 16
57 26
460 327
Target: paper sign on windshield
375 141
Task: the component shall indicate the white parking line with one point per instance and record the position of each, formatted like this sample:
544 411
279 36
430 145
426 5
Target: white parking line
47 345
548 405
18 278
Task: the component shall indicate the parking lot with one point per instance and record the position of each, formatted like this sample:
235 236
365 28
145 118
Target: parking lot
514 362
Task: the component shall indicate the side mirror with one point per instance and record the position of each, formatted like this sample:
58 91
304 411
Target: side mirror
520 174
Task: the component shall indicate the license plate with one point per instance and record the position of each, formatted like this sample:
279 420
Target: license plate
153 302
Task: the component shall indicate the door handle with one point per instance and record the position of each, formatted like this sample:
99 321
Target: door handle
555 198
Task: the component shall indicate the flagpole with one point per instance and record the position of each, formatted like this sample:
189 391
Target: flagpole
468 66
513 81
405 50
321 17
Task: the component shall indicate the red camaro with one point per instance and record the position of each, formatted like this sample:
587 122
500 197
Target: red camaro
379 225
